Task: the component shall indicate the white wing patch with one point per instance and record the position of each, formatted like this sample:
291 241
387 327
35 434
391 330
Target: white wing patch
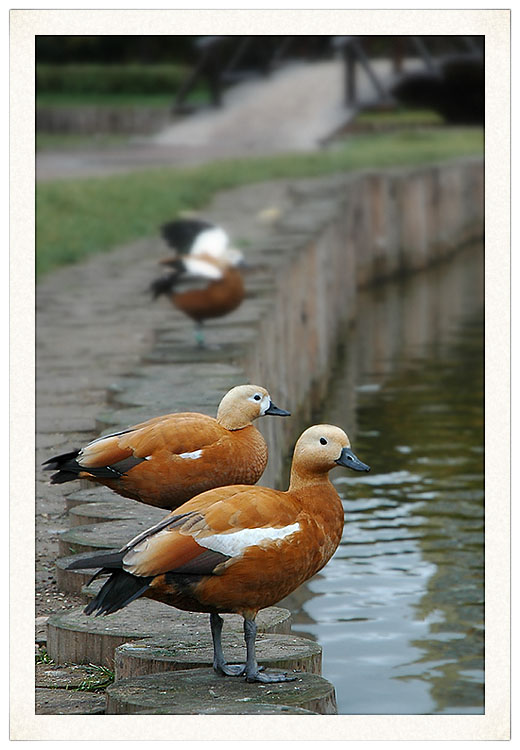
200 268
193 454
234 543
212 242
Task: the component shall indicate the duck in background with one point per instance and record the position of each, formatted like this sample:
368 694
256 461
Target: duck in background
236 549
202 287
167 460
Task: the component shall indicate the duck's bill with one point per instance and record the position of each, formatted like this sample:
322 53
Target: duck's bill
275 411
351 461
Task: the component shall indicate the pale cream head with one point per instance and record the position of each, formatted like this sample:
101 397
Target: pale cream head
241 405
319 447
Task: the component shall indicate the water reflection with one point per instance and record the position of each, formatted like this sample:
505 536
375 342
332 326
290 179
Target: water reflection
399 610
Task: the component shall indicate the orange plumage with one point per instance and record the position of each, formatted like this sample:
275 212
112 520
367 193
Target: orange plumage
238 548
169 459
218 298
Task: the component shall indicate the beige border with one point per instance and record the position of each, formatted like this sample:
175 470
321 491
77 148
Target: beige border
495 25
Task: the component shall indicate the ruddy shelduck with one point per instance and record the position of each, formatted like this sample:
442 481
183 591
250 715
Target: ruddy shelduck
170 459
236 549
202 287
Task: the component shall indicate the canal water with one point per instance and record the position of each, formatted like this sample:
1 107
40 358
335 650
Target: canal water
399 609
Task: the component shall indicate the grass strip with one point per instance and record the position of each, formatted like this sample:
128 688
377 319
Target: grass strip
75 218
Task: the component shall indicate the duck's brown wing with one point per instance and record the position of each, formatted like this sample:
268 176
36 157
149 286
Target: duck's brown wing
213 528
174 434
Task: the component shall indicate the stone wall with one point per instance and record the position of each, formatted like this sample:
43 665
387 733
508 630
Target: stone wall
354 232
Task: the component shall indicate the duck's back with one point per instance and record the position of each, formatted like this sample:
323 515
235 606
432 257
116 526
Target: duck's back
186 454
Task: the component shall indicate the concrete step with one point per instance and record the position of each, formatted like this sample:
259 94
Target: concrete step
110 535
70 689
76 638
178 652
194 691
91 494
258 709
72 581
60 701
117 509
71 677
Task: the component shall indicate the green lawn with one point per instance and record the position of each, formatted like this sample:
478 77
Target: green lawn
83 141
400 116
60 99
75 218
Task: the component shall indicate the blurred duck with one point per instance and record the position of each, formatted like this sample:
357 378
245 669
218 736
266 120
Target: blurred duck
202 287
167 460
236 549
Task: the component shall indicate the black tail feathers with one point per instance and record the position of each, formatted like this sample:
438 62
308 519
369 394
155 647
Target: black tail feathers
108 560
120 589
164 284
67 466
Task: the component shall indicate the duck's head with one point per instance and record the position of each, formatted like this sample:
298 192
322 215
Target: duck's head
244 403
322 447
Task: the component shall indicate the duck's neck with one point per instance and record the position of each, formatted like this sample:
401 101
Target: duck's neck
231 420
318 498
301 480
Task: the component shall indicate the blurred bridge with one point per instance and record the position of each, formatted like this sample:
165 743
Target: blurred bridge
267 100
292 94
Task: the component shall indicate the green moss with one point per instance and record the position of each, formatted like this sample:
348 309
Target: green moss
75 218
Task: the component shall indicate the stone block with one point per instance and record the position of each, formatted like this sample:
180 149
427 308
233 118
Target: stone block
194 691
174 652
76 638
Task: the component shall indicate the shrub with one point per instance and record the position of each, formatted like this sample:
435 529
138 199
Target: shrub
109 79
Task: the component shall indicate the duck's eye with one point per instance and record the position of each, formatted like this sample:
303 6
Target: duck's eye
323 441
257 397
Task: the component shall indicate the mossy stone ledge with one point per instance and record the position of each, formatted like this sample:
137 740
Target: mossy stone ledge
57 702
109 535
177 652
258 709
195 691
76 638
118 509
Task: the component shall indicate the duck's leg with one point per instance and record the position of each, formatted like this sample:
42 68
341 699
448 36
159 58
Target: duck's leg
199 335
252 670
219 663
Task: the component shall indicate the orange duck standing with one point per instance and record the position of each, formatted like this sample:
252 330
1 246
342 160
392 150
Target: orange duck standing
202 287
236 549
167 460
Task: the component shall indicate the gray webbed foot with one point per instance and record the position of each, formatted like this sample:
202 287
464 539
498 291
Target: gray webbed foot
232 670
269 677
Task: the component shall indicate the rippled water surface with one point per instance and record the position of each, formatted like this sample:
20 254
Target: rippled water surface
399 609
